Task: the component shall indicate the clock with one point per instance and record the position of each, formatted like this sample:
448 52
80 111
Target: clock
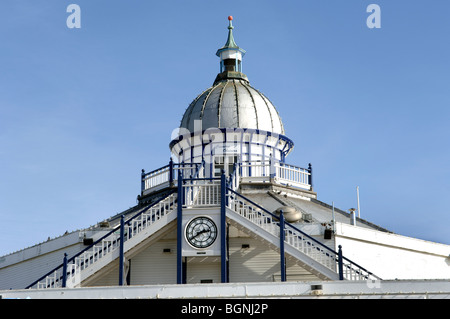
201 232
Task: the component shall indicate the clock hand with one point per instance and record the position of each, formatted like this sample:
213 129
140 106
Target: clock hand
203 231
200 232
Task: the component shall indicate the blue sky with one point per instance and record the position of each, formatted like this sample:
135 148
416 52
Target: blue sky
82 111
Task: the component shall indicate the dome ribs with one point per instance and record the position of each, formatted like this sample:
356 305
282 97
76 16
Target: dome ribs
253 102
237 103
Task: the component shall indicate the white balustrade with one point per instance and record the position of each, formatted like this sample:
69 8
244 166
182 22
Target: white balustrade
253 172
277 172
297 239
198 193
157 177
292 175
108 245
160 178
293 237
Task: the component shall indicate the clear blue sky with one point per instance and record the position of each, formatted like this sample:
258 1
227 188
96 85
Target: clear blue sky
82 111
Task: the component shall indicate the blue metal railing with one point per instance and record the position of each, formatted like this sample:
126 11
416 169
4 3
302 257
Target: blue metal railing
344 265
119 240
347 267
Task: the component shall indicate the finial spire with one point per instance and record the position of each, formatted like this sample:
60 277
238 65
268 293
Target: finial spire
230 44
230 54
230 41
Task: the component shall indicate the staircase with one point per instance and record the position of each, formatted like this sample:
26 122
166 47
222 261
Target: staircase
319 259
314 256
90 260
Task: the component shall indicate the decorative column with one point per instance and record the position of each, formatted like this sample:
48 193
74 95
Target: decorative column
179 229
340 264
142 181
282 255
310 176
64 278
223 239
121 254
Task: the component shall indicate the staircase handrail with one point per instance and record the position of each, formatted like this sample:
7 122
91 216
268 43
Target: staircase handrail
332 253
115 229
359 268
278 218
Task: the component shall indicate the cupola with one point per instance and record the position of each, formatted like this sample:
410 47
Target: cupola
231 106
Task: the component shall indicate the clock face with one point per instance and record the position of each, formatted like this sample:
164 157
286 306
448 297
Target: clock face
201 232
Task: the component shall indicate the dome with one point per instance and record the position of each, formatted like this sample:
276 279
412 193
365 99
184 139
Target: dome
230 122
232 103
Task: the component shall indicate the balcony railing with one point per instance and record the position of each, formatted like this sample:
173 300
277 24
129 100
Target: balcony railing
166 176
278 172
247 172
